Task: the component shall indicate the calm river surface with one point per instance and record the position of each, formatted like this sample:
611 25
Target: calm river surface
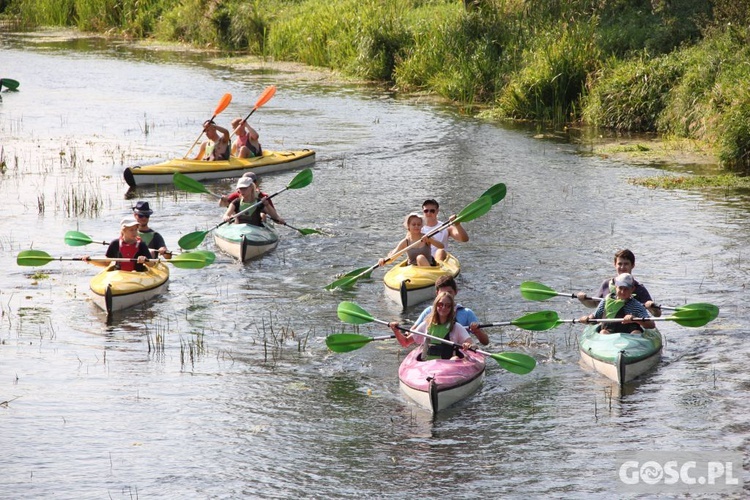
224 388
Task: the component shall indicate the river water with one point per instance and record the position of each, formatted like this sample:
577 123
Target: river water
224 388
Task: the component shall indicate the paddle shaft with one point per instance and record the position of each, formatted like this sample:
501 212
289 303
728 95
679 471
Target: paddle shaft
444 341
614 320
223 103
264 98
599 299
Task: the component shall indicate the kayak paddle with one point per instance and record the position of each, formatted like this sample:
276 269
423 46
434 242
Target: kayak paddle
303 231
350 312
78 239
531 290
192 240
223 103
473 210
537 321
9 84
266 96
191 260
685 317
182 181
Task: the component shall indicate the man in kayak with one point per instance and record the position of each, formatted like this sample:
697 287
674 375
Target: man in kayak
246 145
464 316
621 304
624 263
142 213
127 246
430 209
217 147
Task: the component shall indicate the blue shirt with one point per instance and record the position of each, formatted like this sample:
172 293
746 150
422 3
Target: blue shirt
464 316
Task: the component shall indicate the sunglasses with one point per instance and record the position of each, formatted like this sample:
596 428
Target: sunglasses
141 216
429 210
444 305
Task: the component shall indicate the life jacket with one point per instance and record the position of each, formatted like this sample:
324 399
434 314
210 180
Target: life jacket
146 237
210 152
251 217
615 308
437 349
128 251
245 141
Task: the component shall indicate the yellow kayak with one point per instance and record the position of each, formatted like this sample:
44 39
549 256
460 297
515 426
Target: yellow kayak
115 290
410 285
271 161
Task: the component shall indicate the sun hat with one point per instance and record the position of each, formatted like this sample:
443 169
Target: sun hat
142 208
625 279
251 175
244 182
128 222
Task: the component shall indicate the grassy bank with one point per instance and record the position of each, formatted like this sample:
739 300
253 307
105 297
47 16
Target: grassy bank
677 67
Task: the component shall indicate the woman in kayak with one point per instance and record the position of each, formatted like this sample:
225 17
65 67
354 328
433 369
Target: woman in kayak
249 196
441 322
246 145
127 246
421 253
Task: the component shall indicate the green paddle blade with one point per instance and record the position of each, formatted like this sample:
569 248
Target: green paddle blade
349 312
496 192
536 291
690 317
190 260
346 342
182 181
538 321
713 311
192 240
9 83
210 256
301 180
350 278
475 209
33 258
515 362
77 239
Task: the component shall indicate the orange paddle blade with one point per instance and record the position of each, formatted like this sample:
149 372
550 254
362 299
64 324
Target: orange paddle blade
223 103
265 96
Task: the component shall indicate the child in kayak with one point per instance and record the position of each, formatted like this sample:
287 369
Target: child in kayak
621 304
128 246
420 254
441 322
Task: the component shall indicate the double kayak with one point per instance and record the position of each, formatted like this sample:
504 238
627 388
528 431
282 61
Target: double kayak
114 290
270 161
620 357
246 241
437 384
409 285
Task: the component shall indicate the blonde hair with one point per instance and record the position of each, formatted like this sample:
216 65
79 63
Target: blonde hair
434 318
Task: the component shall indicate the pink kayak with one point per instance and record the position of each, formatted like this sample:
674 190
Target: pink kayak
438 383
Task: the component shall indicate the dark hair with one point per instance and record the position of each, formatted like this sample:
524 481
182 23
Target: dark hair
430 202
446 280
626 254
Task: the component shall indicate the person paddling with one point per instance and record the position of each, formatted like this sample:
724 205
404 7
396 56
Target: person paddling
431 209
127 246
464 316
441 322
217 147
246 145
624 263
142 213
226 199
621 304
420 254
248 196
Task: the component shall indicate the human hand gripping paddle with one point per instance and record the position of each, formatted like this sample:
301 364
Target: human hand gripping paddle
350 312
538 321
192 240
473 210
266 96
182 181
223 103
191 260
686 317
531 290
78 239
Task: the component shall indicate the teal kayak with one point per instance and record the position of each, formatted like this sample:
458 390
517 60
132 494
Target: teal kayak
246 241
620 357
